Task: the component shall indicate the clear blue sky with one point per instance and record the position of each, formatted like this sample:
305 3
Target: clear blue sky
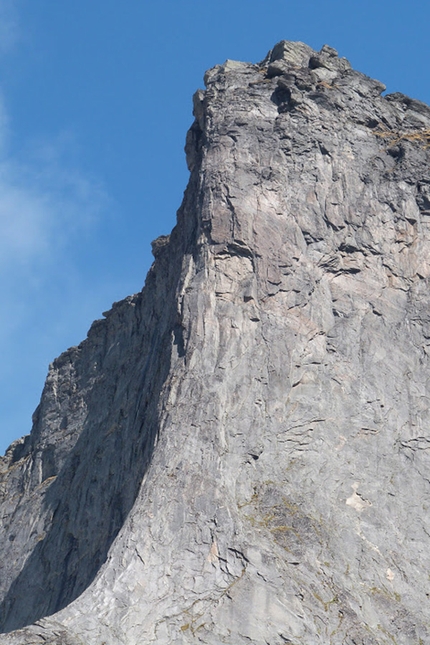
95 101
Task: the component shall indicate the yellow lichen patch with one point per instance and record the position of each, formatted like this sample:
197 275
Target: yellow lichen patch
421 136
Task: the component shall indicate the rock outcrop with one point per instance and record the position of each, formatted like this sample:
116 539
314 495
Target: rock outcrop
241 452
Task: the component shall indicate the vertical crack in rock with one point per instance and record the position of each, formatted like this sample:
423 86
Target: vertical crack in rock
240 453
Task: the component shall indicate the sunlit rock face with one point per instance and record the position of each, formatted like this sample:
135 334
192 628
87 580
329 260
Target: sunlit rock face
240 453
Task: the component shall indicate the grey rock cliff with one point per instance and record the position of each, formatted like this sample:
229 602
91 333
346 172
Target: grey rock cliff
241 453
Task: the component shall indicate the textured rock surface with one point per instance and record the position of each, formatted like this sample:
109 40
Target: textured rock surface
240 453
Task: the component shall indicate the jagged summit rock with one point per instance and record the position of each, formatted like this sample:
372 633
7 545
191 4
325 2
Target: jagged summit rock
240 453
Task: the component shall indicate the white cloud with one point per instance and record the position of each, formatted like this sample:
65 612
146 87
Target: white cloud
45 199
49 210
44 204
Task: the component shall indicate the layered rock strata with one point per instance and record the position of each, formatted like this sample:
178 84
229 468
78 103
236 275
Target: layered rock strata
240 453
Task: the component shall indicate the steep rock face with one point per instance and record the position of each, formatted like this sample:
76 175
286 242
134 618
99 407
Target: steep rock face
240 453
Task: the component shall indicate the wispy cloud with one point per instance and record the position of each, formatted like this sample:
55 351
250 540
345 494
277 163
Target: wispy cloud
52 212
49 207
45 203
48 210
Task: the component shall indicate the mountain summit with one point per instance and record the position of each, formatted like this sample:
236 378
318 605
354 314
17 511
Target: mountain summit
240 453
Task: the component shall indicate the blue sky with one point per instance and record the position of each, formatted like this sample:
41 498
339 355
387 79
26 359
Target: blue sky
95 101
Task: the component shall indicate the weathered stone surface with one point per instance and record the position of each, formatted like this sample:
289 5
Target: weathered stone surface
240 453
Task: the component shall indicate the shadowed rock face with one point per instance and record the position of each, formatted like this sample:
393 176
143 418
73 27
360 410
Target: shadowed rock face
240 453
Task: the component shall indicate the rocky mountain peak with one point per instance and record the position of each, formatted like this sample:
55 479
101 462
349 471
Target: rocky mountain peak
240 452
